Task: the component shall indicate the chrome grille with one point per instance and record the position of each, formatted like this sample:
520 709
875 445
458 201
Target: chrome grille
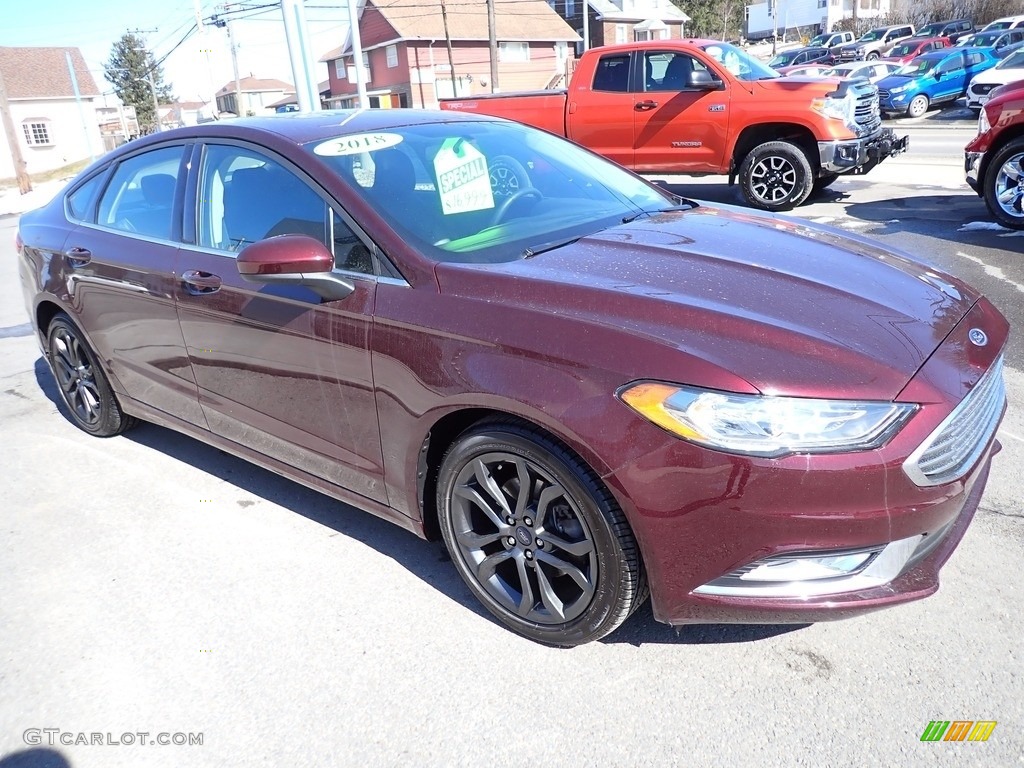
956 444
883 95
867 113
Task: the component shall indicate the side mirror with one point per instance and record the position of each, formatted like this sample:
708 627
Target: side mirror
702 80
293 260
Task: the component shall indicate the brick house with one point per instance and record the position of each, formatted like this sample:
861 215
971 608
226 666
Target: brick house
624 21
52 129
406 57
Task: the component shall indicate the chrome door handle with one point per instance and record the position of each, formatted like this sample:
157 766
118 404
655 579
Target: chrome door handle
198 283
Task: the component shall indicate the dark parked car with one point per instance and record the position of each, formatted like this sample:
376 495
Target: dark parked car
952 30
800 56
587 388
934 78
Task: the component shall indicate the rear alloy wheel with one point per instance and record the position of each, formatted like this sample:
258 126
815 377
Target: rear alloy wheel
83 385
776 176
1004 185
918 106
536 537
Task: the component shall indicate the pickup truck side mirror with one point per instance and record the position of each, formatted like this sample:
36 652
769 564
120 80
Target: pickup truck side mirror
702 80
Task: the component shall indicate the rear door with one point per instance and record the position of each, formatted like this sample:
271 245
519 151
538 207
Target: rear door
121 278
279 370
600 112
678 129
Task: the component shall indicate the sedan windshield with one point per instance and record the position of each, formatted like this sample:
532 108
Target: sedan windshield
486 192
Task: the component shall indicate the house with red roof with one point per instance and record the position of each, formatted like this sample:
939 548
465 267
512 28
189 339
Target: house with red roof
52 128
405 51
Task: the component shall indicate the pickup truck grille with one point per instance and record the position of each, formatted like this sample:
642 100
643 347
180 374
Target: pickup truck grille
867 112
949 452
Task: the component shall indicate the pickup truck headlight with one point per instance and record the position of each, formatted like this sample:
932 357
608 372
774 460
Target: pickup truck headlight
767 426
838 109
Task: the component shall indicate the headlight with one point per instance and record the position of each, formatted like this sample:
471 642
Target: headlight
838 109
983 124
899 89
759 425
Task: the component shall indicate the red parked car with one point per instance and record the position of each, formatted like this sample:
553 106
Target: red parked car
591 390
909 50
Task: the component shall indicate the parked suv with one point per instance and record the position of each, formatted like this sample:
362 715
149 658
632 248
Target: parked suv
913 47
1009 70
932 78
953 29
1007 22
799 56
831 40
993 158
876 43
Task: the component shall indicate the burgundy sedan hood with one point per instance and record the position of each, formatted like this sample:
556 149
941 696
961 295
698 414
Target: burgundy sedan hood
788 308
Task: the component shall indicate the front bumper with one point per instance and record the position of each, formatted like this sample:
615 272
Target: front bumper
705 518
972 168
860 155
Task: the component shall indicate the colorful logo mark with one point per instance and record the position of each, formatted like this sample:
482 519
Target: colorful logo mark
958 730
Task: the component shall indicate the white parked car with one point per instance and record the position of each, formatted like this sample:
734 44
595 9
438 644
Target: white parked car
1007 71
870 70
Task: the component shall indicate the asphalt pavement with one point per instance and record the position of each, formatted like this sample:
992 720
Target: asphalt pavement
151 584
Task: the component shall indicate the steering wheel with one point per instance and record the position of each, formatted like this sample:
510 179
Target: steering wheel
506 204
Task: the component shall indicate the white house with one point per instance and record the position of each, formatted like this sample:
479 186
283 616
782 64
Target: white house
52 129
821 15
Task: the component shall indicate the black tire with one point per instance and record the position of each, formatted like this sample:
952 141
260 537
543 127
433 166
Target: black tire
776 176
824 181
568 541
918 106
1003 190
83 385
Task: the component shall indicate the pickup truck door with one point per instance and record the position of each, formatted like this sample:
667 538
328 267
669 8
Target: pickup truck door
677 128
600 112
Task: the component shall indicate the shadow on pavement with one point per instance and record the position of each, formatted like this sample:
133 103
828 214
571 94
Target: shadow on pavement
427 560
35 758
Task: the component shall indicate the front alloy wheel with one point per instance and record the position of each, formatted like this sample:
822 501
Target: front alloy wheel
536 537
776 176
1004 185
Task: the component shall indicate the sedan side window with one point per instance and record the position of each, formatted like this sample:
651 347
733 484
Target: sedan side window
245 197
140 196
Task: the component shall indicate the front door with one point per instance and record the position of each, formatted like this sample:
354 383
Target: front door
278 369
681 130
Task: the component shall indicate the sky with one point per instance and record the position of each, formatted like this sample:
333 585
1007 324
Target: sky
196 69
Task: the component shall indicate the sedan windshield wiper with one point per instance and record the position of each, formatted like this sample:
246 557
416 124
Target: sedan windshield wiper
550 246
681 207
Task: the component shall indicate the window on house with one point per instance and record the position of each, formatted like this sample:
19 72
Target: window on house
620 33
339 68
570 7
513 51
392 54
37 132
641 35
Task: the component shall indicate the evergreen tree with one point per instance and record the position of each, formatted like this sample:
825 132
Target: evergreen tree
128 69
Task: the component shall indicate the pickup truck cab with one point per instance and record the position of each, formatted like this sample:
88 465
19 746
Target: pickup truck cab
875 43
701 107
831 40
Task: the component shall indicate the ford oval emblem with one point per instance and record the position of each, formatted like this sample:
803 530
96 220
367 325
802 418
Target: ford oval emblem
977 337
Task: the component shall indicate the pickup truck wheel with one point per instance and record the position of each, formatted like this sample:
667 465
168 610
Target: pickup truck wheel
776 176
872 56
918 105
1004 185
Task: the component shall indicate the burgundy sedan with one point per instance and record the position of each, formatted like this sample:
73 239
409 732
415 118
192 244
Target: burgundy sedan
590 390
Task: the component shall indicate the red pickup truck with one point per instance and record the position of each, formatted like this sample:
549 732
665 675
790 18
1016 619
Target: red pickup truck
994 159
701 107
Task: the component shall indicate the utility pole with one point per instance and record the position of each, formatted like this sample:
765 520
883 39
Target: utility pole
234 68
24 181
492 35
156 102
448 40
296 35
78 101
586 25
357 54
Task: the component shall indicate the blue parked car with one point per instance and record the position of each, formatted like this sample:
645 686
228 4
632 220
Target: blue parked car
932 78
